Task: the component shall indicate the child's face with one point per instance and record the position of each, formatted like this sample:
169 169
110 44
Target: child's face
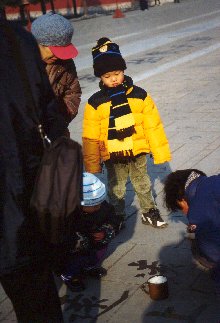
91 209
113 79
46 54
184 206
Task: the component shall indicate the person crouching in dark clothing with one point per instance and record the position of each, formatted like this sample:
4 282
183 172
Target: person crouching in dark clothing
95 226
198 197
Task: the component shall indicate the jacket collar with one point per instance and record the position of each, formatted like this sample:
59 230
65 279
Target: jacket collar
190 191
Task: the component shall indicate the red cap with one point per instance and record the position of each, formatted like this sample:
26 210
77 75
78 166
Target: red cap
64 52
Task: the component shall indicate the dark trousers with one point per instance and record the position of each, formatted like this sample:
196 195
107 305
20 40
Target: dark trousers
80 262
34 295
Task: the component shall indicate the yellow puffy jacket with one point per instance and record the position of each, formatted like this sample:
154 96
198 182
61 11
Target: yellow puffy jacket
150 136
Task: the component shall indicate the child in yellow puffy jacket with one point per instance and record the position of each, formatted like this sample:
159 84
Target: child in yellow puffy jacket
121 125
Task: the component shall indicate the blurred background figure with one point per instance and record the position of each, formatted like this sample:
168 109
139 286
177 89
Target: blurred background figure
143 4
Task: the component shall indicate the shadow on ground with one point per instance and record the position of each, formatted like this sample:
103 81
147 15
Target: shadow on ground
191 291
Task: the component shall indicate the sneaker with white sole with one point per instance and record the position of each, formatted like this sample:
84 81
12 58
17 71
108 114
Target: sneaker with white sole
153 218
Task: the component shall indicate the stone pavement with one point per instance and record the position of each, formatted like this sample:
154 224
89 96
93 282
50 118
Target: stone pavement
173 51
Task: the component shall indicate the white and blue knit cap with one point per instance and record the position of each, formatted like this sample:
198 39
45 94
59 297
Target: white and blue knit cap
55 31
94 192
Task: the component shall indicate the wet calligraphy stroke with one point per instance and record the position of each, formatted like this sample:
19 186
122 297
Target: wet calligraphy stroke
83 306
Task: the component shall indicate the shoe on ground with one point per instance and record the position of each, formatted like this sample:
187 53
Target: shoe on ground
153 218
74 284
97 272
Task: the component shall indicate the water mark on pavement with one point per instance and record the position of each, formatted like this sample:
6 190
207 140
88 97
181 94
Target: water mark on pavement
82 307
185 59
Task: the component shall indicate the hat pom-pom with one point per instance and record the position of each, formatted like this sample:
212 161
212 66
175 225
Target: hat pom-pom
102 41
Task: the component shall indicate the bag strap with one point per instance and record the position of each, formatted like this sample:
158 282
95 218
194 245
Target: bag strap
21 67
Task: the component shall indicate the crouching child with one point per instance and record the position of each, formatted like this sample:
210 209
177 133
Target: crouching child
95 226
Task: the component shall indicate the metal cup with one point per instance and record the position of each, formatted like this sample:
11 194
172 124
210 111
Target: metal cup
158 287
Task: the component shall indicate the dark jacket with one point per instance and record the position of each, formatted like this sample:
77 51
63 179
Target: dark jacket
87 224
90 222
203 196
63 79
21 149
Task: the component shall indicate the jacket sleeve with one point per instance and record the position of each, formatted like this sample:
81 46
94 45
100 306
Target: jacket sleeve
90 140
71 92
154 132
72 96
110 215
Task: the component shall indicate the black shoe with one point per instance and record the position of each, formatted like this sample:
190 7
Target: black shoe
153 218
97 272
74 284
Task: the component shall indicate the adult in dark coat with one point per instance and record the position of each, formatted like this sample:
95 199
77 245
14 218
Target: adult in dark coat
24 272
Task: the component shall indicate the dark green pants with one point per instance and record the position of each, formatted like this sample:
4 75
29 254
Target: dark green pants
118 174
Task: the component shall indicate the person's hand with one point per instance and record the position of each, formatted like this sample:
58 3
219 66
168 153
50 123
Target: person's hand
191 228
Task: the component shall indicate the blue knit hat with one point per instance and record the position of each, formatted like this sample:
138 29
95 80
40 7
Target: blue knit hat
94 192
55 31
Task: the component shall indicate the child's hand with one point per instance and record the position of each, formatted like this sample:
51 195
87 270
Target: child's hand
102 235
98 236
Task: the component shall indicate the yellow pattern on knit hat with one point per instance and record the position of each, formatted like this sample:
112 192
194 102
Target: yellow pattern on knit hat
100 46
